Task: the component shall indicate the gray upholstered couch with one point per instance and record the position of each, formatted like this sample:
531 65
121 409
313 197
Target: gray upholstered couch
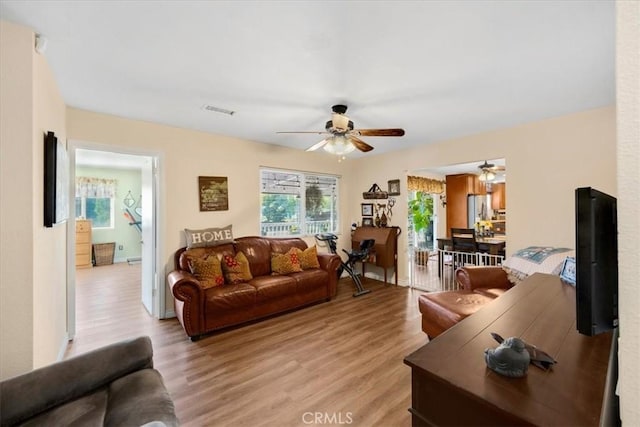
114 385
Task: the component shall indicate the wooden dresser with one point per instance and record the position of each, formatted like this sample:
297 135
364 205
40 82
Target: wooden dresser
83 243
451 385
385 250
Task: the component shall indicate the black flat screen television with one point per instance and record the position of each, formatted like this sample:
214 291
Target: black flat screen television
50 160
596 261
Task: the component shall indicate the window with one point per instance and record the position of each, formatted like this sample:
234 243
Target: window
95 200
100 210
297 203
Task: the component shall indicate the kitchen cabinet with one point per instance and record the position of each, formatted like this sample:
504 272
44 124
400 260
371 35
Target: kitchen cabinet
458 187
498 196
479 187
83 243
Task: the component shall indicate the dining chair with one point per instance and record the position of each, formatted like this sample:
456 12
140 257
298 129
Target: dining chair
463 240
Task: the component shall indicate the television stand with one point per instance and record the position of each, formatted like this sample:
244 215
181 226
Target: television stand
451 385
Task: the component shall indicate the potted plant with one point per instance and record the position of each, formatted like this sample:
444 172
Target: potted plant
421 212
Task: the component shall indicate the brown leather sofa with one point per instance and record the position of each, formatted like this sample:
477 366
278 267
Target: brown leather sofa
204 310
479 286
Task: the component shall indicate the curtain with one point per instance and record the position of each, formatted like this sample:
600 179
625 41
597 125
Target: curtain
95 187
426 185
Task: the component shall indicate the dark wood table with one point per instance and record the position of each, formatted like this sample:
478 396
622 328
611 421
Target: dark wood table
451 385
489 245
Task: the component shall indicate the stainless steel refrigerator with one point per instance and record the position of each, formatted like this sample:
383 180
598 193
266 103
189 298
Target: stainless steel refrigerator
478 207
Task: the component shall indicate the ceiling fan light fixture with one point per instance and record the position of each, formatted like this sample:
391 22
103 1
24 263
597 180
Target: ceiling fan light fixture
339 145
340 121
486 176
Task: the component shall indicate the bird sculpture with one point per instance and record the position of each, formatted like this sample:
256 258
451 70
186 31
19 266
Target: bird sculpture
510 358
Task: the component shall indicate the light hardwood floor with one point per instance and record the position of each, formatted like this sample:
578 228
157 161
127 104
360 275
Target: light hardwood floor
340 361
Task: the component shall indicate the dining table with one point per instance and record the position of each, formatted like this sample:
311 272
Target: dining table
491 245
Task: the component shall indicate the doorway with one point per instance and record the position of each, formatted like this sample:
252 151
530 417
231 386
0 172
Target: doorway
104 166
451 201
422 226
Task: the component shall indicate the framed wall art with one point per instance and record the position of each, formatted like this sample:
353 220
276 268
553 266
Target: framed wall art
367 209
394 187
367 222
214 193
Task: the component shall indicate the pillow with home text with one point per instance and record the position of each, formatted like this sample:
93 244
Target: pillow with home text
208 237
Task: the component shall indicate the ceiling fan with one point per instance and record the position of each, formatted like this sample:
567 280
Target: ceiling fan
488 171
343 137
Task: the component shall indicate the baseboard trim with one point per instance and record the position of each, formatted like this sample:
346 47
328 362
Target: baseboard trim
390 278
168 314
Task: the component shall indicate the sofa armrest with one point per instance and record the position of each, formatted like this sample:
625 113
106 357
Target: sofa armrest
330 263
27 395
474 277
184 286
189 301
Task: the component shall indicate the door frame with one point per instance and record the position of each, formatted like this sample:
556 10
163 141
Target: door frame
158 297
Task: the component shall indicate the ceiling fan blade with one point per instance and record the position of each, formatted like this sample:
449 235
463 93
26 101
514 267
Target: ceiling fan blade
314 147
318 132
360 144
380 132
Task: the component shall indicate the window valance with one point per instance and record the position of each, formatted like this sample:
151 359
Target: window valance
426 185
95 187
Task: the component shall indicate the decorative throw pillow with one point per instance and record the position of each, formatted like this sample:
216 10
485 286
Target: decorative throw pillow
286 263
236 269
208 271
208 237
308 258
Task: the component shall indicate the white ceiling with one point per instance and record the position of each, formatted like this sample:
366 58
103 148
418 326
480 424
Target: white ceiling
438 69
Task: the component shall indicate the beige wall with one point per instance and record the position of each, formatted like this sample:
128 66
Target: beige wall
16 217
33 258
628 102
50 244
546 161
187 154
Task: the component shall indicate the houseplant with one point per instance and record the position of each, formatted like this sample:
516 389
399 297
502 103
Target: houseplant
421 214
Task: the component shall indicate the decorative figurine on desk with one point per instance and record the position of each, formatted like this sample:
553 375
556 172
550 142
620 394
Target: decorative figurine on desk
538 357
510 358
383 219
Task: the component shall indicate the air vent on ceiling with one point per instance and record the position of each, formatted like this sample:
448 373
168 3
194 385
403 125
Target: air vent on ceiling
208 107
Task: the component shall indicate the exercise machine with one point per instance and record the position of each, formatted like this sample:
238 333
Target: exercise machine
352 258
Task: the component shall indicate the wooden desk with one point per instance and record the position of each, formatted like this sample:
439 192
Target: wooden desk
385 250
451 385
